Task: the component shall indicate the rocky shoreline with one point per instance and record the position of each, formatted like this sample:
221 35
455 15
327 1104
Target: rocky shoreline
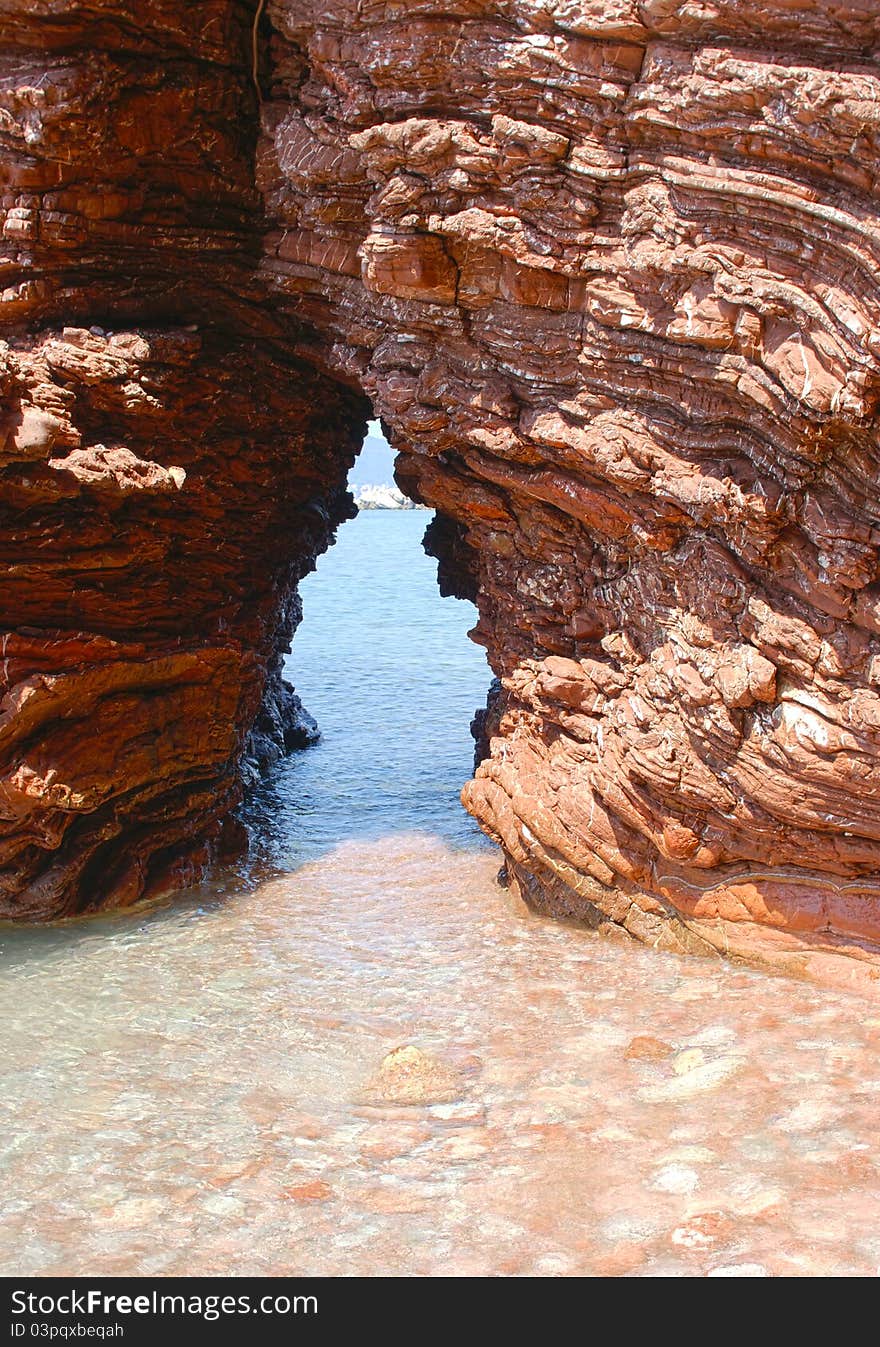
608 278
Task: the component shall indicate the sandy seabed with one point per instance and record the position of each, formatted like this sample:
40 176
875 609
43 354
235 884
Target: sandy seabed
191 1092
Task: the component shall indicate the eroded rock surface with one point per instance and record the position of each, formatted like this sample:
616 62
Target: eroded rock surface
608 272
169 466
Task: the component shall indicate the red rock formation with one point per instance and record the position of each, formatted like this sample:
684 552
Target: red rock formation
609 274
169 466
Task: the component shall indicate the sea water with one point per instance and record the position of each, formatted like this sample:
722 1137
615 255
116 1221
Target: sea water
191 1089
386 667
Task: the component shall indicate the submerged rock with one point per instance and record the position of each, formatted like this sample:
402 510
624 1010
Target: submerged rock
282 725
645 1048
688 1061
409 1076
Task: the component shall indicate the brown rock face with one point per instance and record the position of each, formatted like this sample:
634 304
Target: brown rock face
169 465
608 272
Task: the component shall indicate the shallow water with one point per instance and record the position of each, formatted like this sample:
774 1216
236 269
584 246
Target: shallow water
186 1090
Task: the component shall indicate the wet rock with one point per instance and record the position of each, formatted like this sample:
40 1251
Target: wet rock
688 1060
471 1144
690 1155
316 1190
282 725
396 1201
739 1270
677 1179
761 1202
388 1141
698 1079
702 1230
645 1048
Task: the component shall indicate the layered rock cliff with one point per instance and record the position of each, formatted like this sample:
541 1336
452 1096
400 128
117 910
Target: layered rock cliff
608 272
169 465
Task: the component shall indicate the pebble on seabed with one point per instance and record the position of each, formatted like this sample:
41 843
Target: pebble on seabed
409 1076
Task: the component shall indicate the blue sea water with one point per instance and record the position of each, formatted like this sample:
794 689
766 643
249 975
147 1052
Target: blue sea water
386 667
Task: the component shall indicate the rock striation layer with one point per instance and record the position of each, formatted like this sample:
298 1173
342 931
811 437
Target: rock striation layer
609 274
169 465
